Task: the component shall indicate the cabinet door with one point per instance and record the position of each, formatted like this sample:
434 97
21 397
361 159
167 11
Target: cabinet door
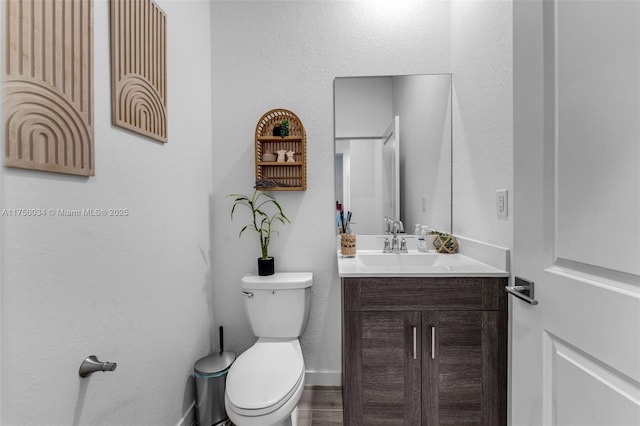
464 365
382 368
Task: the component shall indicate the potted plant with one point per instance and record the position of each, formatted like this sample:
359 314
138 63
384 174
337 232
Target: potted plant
444 242
282 129
265 210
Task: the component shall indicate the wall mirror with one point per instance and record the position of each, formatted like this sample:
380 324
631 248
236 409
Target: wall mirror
393 150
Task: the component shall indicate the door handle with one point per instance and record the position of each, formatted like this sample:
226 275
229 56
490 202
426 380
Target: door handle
523 289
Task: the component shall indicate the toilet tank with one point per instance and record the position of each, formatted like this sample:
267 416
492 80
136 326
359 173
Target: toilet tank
277 306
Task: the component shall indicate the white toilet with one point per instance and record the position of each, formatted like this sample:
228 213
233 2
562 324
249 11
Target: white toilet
266 381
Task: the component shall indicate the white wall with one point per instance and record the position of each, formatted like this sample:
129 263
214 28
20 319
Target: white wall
270 54
481 62
135 290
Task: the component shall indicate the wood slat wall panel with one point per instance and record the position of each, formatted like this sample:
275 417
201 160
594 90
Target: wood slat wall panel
49 86
139 67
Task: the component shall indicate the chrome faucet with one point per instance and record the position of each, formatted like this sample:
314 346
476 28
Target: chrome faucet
398 245
395 245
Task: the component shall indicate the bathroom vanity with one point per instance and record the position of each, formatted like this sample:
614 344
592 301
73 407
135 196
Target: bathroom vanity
424 347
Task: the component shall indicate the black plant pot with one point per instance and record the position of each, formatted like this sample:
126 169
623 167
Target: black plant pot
266 266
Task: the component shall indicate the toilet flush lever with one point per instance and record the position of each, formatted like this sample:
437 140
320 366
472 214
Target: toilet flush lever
91 364
248 294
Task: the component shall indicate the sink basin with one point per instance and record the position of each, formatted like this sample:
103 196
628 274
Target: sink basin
409 260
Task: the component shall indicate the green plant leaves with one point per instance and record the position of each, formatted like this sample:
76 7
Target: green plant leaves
262 220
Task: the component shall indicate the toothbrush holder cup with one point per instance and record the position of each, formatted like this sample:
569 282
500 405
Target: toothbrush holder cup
348 245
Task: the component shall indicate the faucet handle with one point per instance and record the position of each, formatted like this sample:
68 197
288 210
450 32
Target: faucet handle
387 246
403 246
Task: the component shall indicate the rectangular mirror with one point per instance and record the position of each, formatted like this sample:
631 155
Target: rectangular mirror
393 150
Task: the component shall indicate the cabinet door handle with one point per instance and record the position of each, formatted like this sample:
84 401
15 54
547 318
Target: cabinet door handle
433 342
415 343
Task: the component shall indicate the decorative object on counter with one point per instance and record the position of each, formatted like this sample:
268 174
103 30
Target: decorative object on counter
48 97
290 175
445 243
348 245
269 157
264 210
290 156
431 238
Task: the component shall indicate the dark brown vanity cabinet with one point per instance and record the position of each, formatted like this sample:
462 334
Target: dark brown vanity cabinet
424 351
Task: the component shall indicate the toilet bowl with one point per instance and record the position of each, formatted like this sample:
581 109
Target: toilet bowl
266 381
266 384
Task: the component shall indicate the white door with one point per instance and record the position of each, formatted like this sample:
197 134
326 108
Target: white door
575 357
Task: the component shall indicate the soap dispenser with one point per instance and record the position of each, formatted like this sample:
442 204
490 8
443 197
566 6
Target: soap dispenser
422 240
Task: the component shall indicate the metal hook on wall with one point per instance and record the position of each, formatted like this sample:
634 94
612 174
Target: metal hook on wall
91 364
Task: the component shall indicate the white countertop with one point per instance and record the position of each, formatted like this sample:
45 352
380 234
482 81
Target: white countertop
371 262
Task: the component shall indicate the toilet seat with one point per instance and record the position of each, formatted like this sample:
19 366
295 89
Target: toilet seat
264 377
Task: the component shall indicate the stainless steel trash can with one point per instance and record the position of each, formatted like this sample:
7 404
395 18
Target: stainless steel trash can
211 375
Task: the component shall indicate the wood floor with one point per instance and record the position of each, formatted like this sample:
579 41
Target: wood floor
319 406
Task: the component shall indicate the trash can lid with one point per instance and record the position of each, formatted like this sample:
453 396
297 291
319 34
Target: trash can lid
214 363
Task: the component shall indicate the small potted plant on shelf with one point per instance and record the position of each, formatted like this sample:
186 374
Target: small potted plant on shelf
265 210
282 129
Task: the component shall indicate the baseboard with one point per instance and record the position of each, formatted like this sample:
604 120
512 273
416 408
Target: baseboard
323 378
189 417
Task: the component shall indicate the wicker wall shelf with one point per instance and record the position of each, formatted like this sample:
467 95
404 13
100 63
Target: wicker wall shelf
279 175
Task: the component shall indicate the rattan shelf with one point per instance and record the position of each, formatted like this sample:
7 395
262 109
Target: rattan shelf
274 175
275 163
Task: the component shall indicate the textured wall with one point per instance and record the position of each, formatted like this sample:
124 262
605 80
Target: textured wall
481 62
286 54
132 289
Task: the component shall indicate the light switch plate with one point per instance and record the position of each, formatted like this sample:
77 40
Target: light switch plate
502 206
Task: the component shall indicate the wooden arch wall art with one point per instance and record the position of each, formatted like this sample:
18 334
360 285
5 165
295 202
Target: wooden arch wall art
48 86
139 67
